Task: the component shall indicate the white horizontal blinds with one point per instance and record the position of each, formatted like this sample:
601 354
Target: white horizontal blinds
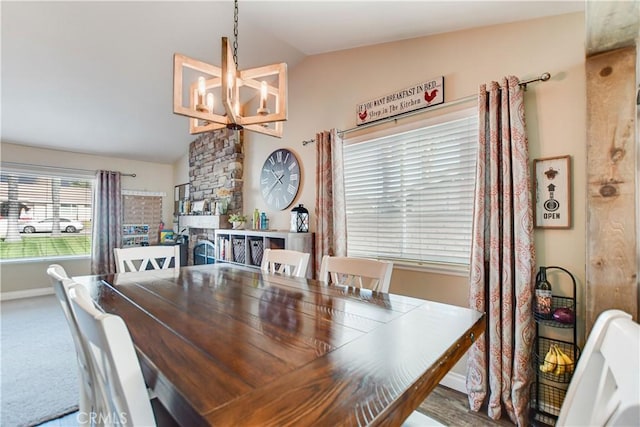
409 196
46 194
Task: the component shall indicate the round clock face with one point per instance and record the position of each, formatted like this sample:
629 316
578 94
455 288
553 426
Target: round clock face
280 179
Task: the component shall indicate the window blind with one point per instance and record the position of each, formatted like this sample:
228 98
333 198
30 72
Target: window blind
139 210
409 196
41 197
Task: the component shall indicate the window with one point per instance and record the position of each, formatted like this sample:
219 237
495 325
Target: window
142 211
44 214
409 195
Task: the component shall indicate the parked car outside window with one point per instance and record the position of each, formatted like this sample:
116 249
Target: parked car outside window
46 226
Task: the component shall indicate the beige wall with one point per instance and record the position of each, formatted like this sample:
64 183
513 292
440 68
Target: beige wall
324 91
181 169
20 276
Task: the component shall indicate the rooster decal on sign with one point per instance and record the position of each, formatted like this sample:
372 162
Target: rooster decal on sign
424 94
430 96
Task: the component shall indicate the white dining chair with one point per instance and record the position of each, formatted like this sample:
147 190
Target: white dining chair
61 285
283 261
121 394
141 258
605 387
369 274
358 272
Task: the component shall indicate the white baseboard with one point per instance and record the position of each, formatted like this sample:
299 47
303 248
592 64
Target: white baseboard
38 292
455 381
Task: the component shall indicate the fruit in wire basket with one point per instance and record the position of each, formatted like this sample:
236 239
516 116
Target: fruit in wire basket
550 361
557 362
561 367
568 362
563 315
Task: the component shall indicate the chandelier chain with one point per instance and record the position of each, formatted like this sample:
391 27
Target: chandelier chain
235 33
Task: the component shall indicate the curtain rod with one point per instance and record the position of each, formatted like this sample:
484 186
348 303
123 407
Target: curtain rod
133 175
55 168
541 78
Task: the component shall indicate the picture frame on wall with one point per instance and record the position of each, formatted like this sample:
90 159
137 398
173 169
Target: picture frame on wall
552 192
181 193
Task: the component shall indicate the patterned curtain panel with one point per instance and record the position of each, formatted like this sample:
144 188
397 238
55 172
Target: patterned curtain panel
502 256
107 222
331 218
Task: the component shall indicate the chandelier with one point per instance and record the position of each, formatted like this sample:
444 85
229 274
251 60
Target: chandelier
214 94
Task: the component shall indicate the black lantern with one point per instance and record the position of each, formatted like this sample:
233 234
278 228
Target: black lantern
299 219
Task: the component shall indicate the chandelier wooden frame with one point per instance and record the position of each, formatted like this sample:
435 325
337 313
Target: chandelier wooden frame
229 79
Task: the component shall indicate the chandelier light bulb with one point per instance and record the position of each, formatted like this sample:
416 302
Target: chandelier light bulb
210 102
263 110
230 84
200 98
263 94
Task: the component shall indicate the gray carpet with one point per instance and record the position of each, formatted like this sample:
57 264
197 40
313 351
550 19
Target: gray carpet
38 370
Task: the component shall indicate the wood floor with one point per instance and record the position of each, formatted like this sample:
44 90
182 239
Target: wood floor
444 405
451 408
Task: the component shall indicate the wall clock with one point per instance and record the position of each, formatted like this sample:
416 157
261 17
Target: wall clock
280 179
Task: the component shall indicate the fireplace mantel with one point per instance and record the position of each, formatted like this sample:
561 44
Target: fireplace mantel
204 221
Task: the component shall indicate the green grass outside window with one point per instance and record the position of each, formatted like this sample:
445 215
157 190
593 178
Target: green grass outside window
43 247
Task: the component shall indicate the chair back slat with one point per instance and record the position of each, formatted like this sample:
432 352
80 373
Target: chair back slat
116 370
142 258
605 387
61 284
284 261
357 272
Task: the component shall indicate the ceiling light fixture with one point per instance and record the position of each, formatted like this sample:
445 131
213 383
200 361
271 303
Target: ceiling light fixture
229 85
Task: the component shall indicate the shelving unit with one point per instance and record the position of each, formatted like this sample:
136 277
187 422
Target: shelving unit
247 246
135 235
548 389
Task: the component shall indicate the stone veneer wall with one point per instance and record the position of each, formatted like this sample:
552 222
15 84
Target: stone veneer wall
216 163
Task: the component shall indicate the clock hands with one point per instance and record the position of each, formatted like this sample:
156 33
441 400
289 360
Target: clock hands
278 178
271 187
277 181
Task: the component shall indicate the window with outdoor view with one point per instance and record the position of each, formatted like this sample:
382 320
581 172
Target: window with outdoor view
409 191
44 214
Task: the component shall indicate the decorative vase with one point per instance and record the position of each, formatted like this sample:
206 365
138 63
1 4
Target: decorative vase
223 205
238 225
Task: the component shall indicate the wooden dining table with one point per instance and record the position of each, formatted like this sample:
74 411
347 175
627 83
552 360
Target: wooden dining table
227 345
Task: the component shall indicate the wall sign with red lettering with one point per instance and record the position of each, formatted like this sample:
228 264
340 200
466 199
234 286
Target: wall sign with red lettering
421 95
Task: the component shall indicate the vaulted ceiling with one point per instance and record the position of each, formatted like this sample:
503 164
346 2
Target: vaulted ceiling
96 77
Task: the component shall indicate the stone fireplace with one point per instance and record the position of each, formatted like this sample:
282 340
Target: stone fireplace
215 177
